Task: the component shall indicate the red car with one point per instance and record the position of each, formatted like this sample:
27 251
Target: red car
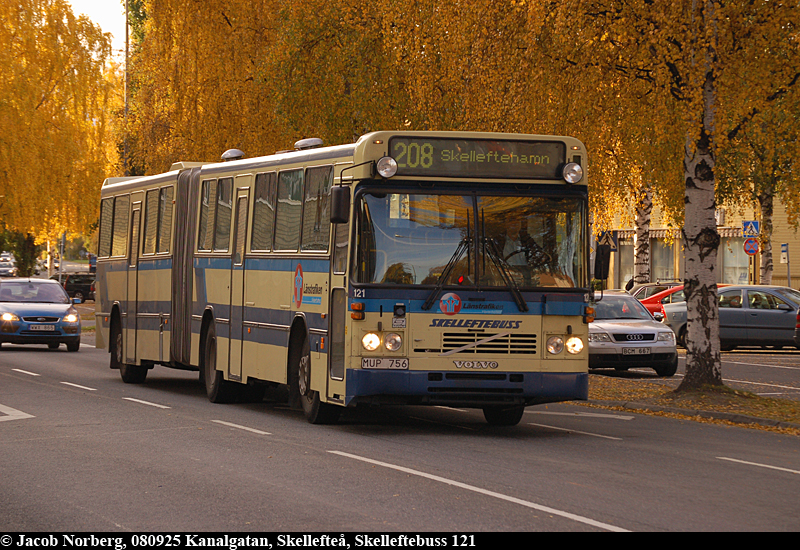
654 303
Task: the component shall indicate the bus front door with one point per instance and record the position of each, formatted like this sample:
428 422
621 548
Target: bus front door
132 309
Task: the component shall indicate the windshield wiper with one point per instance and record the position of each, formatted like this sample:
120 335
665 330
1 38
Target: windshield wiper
490 249
463 246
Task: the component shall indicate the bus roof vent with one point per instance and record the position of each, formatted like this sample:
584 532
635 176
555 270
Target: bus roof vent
232 154
310 143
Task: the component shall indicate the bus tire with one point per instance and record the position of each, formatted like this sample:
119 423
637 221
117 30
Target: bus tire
503 416
130 374
218 389
315 410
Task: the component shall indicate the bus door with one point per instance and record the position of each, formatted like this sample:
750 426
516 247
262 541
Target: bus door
237 285
133 286
337 315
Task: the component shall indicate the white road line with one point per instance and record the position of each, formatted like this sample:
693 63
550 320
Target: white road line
238 427
795 388
761 365
575 431
486 492
590 415
146 403
26 372
759 465
13 414
78 386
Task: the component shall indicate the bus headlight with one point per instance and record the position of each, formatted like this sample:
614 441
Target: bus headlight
574 345
392 341
371 341
573 173
555 345
387 167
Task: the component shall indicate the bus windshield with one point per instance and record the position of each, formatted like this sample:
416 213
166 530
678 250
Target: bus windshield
472 240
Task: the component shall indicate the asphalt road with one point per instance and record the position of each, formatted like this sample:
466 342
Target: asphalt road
82 451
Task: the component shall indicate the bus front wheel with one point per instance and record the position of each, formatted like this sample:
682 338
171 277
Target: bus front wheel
503 416
315 410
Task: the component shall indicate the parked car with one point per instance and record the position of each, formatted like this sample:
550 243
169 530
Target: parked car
38 311
8 268
749 315
78 285
625 335
672 295
646 290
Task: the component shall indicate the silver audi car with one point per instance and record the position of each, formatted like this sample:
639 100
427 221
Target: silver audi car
625 335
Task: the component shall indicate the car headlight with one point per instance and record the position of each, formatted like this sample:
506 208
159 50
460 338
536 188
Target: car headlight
71 318
599 337
574 345
666 336
371 341
7 316
392 341
555 345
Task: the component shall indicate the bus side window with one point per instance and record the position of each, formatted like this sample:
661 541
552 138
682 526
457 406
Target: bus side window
316 211
222 226
290 209
165 219
341 235
264 212
106 224
150 222
121 213
208 210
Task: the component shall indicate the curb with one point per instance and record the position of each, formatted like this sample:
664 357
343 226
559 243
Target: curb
730 417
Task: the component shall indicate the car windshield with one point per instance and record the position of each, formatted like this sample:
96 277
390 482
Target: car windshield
32 291
434 240
620 307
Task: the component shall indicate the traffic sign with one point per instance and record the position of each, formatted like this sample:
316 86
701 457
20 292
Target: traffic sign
607 238
751 228
751 246
785 253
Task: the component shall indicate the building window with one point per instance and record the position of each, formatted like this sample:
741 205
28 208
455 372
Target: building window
662 260
625 251
735 261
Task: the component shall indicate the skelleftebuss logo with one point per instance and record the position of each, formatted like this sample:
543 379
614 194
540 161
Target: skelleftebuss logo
298 286
450 304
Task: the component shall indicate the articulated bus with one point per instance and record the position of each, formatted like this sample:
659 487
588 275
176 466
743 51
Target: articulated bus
422 268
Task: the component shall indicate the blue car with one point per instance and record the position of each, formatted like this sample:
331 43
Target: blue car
38 311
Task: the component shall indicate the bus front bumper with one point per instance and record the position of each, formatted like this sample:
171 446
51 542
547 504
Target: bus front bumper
464 389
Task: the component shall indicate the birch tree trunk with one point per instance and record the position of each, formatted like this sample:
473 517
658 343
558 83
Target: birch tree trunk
641 237
701 243
765 200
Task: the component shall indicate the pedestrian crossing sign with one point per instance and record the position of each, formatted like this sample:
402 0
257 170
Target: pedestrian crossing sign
750 228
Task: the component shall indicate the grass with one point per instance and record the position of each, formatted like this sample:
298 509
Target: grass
706 400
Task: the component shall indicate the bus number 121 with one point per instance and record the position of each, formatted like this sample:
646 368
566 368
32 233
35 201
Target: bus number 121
463 540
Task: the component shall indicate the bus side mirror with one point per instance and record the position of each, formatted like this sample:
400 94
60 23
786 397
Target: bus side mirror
340 204
602 259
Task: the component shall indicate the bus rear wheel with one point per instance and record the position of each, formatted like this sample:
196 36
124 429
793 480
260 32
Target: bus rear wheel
218 389
504 416
130 374
315 410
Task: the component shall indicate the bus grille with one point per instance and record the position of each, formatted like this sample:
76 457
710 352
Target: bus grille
510 344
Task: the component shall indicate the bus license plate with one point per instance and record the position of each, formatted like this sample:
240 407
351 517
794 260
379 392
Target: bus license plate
384 363
635 351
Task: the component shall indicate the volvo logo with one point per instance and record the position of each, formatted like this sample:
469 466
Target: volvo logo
635 337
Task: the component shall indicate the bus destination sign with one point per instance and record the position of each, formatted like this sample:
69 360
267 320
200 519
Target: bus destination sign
478 158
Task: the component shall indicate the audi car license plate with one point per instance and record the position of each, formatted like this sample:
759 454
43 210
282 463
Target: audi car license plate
42 327
635 351
384 363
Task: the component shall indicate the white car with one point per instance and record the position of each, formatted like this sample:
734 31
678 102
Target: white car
625 335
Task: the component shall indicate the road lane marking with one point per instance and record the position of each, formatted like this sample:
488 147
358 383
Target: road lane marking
78 386
590 415
759 465
575 431
761 384
238 427
761 365
13 414
146 403
486 492
26 372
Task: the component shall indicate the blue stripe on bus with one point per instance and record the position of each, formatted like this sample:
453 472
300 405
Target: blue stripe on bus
489 306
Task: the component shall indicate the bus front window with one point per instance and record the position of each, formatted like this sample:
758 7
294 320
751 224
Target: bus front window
475 241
